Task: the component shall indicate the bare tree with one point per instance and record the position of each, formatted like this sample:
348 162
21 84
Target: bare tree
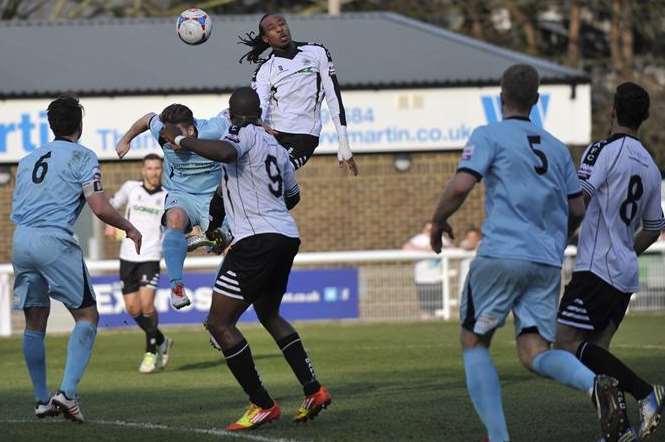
573 50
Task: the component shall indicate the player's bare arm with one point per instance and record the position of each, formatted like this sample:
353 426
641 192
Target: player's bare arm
139 126
216 150
100 205
576 210
454 195
644 239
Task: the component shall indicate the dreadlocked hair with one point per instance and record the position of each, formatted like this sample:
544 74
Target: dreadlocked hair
254 41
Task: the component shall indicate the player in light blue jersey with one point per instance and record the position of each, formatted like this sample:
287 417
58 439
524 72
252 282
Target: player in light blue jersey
533 199
52 185
189 179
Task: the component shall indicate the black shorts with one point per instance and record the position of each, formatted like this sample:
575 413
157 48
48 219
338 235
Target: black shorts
134 275
299 146
257 266
589 303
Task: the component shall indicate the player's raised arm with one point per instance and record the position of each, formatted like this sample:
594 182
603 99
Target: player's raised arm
141 125
336 107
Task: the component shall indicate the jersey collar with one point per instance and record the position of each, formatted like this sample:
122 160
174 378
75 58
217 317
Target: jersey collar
153 191
619 135
288 53
517 117
63 139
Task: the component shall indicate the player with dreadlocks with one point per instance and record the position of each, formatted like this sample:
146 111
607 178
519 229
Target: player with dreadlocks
291 83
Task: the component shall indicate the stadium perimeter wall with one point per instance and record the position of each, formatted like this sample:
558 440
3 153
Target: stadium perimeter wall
379 209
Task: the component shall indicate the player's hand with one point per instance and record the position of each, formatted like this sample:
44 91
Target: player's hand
350 165
169 132
436 236
135 235
122 148
109 231
270 130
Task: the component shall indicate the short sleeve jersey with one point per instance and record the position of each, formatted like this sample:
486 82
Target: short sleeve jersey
529 177
256 184
186 171
623 184
52 183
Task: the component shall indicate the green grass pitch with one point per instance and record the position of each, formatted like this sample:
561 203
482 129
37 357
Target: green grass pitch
389 381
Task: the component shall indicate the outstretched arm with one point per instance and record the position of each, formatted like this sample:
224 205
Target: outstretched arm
216 150
139 126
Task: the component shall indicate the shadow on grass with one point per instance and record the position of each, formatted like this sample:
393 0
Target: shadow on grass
220 361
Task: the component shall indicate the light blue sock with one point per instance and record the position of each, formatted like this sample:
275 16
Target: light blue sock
175 250
34 352
482 382
564 368
79 349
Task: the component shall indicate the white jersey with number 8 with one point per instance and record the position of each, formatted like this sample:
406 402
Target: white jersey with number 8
624 185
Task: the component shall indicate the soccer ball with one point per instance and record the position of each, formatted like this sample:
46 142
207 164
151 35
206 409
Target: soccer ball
194 26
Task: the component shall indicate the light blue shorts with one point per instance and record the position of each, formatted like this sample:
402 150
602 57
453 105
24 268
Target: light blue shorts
48 263
197 208
495 287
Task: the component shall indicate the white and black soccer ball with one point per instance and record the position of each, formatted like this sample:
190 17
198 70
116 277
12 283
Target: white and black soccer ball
194 26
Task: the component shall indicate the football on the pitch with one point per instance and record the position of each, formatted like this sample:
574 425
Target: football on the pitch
194 26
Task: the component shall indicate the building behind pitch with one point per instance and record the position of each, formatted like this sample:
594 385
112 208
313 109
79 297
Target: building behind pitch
413 93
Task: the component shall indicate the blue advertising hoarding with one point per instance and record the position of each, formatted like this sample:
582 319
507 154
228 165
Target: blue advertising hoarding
317 294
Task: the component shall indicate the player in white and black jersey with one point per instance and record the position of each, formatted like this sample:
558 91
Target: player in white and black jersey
259 186
291 84
139 272
622 186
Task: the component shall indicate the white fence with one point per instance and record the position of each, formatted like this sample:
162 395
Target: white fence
387 281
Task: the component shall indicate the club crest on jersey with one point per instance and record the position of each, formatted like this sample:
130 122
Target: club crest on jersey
468 151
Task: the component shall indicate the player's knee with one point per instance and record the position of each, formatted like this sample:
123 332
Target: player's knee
469 339
530 345
176 219
134 310
566 341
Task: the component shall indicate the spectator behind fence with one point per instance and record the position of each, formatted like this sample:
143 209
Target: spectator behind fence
427 273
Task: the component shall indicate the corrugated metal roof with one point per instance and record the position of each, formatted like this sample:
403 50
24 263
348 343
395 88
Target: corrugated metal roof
144 56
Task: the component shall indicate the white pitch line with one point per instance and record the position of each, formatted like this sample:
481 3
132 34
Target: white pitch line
148 426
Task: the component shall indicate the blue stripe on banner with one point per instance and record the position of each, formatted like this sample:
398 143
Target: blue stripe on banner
312 294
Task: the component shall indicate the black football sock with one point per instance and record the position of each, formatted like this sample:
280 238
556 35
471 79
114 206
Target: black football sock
296 356
240 362
153 336
601 361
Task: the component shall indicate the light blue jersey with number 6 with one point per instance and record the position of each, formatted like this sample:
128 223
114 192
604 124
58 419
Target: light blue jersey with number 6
50 184
529 177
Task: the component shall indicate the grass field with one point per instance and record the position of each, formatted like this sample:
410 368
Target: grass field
397 382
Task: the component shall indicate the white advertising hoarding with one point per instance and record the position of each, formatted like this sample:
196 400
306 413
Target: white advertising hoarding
378 121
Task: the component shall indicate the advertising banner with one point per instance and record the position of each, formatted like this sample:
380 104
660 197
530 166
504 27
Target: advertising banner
311 295
378 121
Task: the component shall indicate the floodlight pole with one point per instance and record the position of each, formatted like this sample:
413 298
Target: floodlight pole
334 7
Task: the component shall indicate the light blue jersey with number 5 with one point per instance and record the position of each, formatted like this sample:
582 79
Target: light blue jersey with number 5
529 177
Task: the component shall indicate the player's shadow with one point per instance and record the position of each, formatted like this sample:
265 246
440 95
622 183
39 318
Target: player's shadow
220 361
